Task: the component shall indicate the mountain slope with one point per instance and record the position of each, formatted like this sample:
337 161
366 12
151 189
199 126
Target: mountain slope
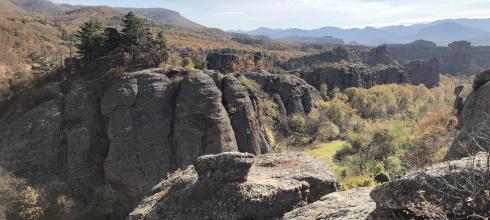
164 16
42 6
447 32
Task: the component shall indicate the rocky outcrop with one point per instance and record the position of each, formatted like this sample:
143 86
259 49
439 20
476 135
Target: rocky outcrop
457 58
424 72
352 204
132 131
446 185
379 55
474 120
353 75
224 62
201 125
245 114
331 56
271 189
297 96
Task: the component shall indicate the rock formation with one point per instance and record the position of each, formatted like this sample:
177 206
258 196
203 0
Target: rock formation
474 120
379 55
352 204
445 185
297 96
245 115
224 62
457 58
220 189
424 72
353 75
131 131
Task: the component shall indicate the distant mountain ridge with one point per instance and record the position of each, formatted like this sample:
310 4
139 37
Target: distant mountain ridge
44 6
441 32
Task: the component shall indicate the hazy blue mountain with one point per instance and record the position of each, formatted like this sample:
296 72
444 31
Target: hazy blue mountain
441 32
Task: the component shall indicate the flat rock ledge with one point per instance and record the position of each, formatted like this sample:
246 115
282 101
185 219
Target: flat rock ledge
354 204
218 187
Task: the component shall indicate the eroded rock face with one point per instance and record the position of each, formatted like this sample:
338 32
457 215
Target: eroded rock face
202 125
424 72
139 109
224 62
474 121
227 167
439 185
379 55
353 75
297 96
244 111
276 184
352 204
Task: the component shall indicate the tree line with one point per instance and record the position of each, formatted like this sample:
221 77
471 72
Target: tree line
136 44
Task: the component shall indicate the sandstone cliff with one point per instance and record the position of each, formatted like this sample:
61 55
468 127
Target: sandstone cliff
131 131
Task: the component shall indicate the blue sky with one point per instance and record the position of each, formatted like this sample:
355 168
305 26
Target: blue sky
308 14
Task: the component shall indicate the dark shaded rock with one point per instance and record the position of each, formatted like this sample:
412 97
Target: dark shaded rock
202 125
379 55
443 185
226 167
244 110
475 124
481 79
353 75
31 135
224 62
86 143
139 109
354 204
297 96
271 190
424 72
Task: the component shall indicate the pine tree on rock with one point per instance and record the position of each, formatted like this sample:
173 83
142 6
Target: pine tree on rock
91 39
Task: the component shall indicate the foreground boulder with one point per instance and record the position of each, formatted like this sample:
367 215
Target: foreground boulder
474 121
276 184
354 204
449 187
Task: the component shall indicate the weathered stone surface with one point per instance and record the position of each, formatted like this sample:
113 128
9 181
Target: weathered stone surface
272 189
202 125
424 72
86 144
298 166
31 135
481 79
379 55
353 75
226 167
224 62
354 204
244 111
298 97
474 122
439 185
139 109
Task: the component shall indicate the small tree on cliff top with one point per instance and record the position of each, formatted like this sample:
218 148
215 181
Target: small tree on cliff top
91 39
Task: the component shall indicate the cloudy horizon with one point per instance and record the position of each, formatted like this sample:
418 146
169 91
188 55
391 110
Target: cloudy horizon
308 14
